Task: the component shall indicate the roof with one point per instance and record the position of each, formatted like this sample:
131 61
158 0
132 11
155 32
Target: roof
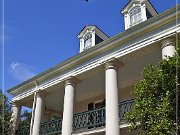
87 26
138 0
95 48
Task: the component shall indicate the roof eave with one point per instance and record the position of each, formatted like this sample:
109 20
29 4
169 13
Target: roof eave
84 54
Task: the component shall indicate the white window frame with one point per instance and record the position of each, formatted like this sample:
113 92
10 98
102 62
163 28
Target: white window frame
135 15
88 46
96 102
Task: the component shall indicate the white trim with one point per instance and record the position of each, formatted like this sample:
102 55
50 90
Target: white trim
98 130
122 36
143 12
116 54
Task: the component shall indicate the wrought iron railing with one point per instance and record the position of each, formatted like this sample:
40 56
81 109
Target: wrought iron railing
89 119
51 127
124 107
96 117
24 130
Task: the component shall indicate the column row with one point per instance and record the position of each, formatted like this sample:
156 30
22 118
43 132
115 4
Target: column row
111 92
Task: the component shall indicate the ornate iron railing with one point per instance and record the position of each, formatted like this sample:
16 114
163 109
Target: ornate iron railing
51 127
96 117
24 130
90 119
124 107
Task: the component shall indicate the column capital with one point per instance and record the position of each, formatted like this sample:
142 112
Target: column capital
113 64
168 42
41 93
71 81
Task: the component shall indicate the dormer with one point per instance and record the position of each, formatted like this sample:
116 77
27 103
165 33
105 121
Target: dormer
90 36
137 11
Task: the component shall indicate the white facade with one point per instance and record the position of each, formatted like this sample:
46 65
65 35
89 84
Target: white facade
91 90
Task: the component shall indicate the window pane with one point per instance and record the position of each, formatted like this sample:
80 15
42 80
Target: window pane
135 15
88 41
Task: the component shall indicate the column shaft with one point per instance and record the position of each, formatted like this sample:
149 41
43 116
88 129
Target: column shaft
38 114
112 102
69 96
16 110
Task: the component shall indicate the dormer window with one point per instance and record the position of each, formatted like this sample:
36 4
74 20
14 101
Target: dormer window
137 11
90 36
135 15
87 41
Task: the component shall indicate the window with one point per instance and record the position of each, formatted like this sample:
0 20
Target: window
135 15
96 118
98 105
87 41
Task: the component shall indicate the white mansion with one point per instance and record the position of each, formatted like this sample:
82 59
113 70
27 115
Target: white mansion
92 91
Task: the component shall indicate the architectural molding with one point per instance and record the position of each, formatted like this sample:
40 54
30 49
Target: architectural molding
117 54
71 81
104 96
166 18
98 62
168 41
113 63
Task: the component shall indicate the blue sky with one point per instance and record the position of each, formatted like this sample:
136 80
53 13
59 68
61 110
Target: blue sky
42 33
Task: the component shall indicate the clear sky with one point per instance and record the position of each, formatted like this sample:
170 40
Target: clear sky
42 33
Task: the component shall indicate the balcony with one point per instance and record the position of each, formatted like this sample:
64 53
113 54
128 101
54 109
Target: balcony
51 127
85 120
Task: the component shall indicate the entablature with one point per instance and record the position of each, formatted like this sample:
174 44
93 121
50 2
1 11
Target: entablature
91 59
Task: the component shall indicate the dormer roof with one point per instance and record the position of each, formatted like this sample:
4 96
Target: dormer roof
91 28
137 11
131 2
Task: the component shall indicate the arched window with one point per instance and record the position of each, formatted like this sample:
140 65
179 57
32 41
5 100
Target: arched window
135 15
87 41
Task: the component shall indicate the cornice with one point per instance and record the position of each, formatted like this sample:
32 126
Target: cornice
117 40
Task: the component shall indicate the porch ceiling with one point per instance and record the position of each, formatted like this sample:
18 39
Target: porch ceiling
93 81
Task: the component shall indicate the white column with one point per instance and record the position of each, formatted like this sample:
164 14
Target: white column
112 101
168 48
38 113
16 110
69 96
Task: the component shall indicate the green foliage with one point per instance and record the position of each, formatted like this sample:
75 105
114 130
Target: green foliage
25 119
155 99
5 115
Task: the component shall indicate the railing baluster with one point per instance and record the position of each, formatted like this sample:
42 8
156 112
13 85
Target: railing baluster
96 117
124 107
89 119
50 127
